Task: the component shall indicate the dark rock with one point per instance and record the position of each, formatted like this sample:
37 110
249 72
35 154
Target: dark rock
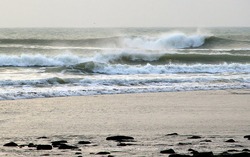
246 150
244 154
84 142
194 137
225 154
167 151
179 155
42 137
183 144
22 145
65 146
43 147
193 151
232 150
121 144
10 144
31 145
230 141
205 141
102 153
121 138
203 154
45 155
77 153
110 156
124 144
247 136
172 134
58 143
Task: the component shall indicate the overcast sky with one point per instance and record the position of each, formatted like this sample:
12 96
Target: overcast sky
124 13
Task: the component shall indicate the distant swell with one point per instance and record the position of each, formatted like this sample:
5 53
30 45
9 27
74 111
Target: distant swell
219 42
169 41
157 42
62 42
188 58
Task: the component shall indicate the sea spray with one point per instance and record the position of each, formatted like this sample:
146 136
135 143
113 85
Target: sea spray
171 41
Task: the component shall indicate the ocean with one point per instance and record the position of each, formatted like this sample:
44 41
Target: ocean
58 62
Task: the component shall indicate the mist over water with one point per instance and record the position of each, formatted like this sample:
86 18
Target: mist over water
67 62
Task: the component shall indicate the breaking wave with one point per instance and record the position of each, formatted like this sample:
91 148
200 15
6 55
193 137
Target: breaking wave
127 63
122 57
121 81
166 58
27 89
38 60
170 41
147 42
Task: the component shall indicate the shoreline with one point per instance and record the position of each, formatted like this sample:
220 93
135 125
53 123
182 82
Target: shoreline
233 91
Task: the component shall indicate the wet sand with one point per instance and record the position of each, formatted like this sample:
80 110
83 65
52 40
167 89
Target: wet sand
147 117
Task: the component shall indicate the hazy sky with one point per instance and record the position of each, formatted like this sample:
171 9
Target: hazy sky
124 13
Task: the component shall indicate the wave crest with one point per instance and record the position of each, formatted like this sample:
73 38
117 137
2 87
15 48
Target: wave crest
120 57
171 41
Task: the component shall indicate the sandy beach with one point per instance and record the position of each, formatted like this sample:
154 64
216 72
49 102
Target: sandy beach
147 117
124 78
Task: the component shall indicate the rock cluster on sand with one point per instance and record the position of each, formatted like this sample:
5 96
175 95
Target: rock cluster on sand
123 141
210 154
58 143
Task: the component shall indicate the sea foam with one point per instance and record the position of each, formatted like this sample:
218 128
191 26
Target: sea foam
24 60
120 69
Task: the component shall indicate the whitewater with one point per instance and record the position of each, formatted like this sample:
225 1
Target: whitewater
55 62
